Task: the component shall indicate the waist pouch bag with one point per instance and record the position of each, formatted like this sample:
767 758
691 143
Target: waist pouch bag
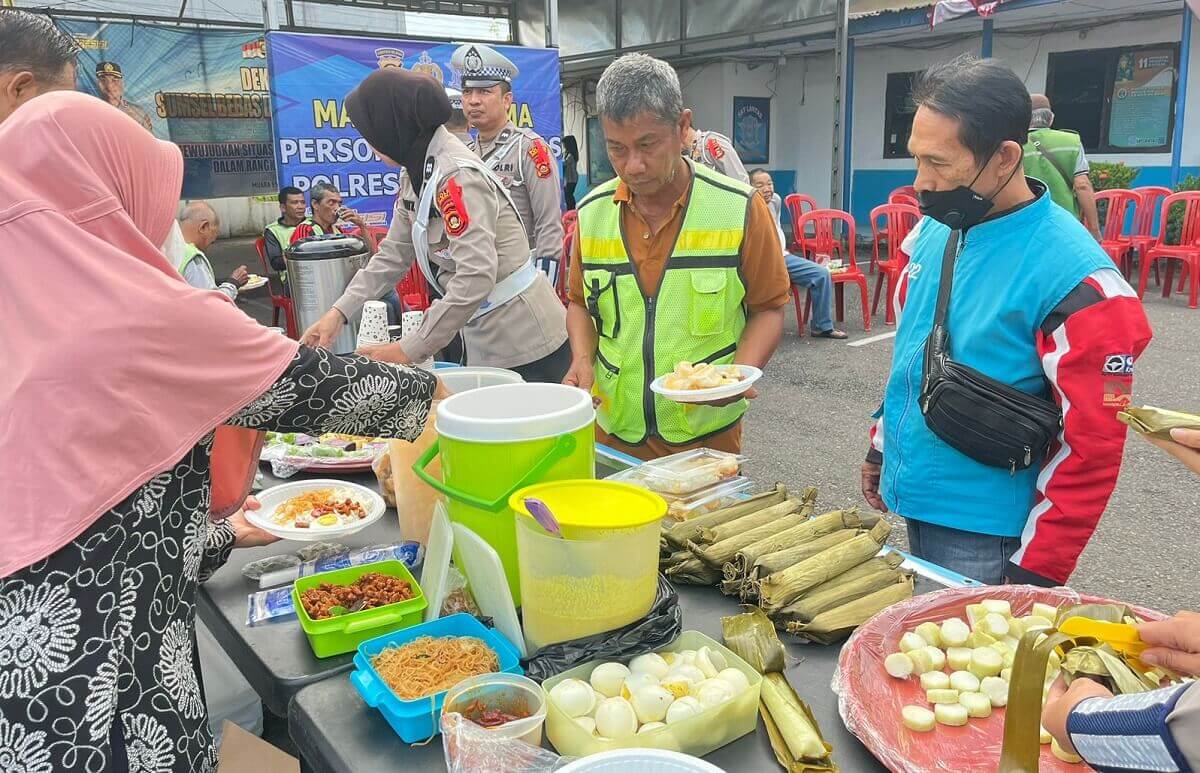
991 422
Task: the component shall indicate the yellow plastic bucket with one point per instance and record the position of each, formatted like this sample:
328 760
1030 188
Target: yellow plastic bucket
603 574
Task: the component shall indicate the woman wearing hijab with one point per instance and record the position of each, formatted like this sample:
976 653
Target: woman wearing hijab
455 220
131 415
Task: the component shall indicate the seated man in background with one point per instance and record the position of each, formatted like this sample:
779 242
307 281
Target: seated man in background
278 235
327 211
200 227
803 272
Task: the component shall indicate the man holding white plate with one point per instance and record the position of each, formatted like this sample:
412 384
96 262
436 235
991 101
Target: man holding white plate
673 263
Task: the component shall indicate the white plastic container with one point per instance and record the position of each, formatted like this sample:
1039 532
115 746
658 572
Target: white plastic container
641 760
415 499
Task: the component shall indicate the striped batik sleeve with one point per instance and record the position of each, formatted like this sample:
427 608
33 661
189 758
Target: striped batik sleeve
1129 732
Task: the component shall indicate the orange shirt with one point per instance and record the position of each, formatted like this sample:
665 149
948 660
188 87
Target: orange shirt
762 269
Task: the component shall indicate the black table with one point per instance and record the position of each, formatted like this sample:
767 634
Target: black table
336 732
275 658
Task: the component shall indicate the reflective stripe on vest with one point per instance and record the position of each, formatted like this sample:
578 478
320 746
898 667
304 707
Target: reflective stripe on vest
1059 176
191 252
696 314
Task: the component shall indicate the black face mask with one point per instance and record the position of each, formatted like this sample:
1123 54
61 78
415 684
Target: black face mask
961 207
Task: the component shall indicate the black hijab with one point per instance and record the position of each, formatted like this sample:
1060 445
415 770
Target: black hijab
397 112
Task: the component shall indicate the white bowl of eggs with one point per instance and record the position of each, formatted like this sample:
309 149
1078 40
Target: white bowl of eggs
692 697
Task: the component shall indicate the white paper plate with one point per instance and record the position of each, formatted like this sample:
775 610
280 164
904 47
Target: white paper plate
275 496
750 374
253 282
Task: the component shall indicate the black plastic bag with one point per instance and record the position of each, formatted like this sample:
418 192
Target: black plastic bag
661 626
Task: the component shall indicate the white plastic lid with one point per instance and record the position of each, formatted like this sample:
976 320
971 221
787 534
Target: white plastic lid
513 412
468 378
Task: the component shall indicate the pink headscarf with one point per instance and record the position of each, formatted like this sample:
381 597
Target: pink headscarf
111 367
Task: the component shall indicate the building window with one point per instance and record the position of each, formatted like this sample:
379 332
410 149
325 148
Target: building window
1120 100
898 114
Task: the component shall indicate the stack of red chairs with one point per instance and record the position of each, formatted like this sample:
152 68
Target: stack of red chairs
280 302
1113 240
1186 250
1144 234
899 220
822 246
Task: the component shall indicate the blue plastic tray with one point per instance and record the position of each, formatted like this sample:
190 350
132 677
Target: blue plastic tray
417 720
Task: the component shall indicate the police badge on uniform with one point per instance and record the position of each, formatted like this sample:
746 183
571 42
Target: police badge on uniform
541 158
454 211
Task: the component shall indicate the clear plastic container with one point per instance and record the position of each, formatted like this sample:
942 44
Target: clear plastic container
510 693
571 588
724 494
685 472
711 729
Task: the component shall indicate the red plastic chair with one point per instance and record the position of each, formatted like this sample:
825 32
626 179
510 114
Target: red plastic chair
1113 240
802 312
570 219
798 204
905 199
1144 235
279 301
899 219
1187 251
561 285
414 290
822 246
904 190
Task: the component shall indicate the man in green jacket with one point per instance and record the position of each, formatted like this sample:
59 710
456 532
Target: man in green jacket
1056 158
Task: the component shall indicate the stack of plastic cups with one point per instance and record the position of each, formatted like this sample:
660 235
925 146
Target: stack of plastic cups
373 326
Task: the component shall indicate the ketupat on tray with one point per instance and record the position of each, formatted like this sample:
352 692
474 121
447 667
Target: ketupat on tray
869 700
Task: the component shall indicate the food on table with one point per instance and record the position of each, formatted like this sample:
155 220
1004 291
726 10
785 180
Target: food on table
963 681
899 665
977 704
791 718
685 472
320 509
707 500
744 524
1062 753
958 658
687 376
911 641
331 446
782 588
941 696
932 680
575 697
718 554
485 716
427 665
367 592
954 632
587 723
953 714
678 535
917 718
996 689
623 700
986 661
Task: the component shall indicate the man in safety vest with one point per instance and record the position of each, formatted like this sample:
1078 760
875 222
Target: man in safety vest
327 212
200 227
521 159
278 235
715 151
1056 158
673 262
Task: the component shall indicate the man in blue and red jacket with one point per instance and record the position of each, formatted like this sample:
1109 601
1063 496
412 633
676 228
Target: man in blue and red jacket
1035 304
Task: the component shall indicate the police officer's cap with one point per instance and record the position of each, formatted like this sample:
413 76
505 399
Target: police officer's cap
455 97
481 66
109 68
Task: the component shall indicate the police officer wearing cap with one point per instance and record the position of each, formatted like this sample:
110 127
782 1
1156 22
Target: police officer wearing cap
715 151
519 157
111 82
455 220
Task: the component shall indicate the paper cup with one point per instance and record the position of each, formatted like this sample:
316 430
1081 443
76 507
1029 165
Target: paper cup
411 321
373 326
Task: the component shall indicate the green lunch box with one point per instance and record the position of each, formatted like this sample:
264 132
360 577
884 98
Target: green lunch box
343 633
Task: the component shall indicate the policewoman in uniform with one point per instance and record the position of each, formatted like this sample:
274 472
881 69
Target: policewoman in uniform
519 157
454 219
672 262
715 151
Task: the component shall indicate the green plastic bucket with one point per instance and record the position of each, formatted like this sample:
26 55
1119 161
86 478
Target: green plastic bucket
497 440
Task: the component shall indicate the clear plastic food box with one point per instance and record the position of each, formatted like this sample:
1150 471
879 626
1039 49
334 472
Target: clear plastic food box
698 735
685 472
706 500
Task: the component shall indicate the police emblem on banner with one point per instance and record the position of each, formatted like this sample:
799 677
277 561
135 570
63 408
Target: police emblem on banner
427 66
390 57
